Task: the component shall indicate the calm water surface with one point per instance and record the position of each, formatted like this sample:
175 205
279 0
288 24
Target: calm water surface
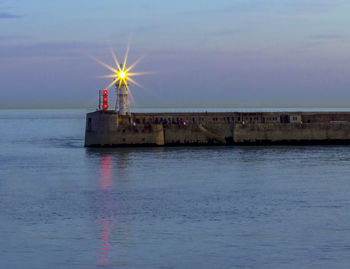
65 206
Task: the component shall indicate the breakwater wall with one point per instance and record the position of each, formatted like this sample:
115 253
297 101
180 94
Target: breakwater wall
106 128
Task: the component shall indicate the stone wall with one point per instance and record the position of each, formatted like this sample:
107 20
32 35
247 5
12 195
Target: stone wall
105 128
294 133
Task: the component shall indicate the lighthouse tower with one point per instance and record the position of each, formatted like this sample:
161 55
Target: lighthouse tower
122 77
122 105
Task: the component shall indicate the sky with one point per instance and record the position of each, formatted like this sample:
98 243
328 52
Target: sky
234 53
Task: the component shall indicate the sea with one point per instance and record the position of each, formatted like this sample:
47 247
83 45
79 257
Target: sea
66 206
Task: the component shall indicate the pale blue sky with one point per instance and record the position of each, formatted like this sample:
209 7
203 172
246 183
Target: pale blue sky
234 53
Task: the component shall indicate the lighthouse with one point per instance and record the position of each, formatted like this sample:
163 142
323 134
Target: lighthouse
122 105
122 77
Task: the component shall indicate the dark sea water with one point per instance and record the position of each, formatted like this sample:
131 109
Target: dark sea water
66 206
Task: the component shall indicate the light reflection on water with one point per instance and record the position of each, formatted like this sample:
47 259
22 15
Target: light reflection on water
105 220
112 166
106 249
106 171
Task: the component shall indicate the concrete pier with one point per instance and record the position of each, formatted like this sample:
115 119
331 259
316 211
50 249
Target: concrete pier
106 128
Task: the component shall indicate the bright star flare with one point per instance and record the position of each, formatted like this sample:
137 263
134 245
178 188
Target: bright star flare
121 74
